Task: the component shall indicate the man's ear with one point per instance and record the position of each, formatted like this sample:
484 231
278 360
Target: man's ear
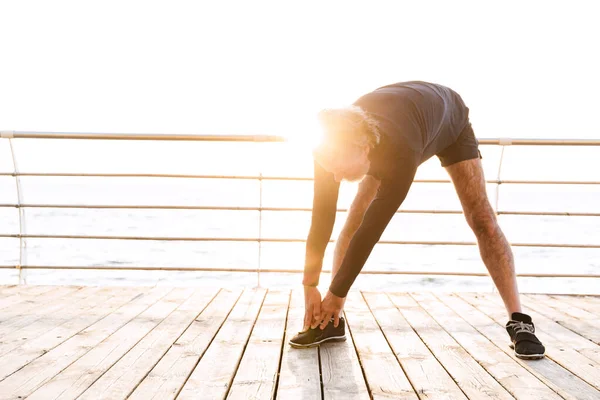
365 148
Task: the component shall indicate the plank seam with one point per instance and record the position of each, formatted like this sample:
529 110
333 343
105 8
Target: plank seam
389 345
557 362
73 335
452 336
209 344
428 348
362 370
178 337
122 355
43 316
93 347
239 361
287 313
561 313
522 365
320 373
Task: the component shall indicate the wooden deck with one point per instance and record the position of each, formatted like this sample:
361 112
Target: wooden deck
59 342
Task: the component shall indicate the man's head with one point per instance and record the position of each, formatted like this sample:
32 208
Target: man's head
348 136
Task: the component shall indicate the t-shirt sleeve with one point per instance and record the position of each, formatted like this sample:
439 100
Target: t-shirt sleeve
325 197
392 192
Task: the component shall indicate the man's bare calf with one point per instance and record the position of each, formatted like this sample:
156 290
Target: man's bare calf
495 251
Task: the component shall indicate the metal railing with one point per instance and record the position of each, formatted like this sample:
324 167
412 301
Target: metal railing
21 206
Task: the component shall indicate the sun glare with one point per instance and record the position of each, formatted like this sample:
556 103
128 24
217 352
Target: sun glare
305 136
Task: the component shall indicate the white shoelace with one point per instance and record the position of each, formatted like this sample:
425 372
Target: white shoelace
521 327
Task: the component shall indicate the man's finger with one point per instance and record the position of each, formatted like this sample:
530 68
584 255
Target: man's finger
307 320
316 318
326 320
321 318
336 321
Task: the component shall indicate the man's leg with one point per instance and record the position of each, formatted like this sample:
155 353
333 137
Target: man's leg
367 190
496 253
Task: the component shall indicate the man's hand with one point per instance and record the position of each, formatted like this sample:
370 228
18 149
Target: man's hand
330 308
312 307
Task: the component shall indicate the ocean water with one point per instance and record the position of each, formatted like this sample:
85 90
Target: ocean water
279 159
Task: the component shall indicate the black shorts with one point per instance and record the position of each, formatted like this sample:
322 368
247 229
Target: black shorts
466 147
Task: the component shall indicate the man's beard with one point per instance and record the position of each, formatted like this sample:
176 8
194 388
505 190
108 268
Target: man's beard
355 178
358 174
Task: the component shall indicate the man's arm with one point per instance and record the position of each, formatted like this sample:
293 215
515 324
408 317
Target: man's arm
392 192
325 197
364 196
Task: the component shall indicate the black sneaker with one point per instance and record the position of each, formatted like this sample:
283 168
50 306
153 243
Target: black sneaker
522 334
315 336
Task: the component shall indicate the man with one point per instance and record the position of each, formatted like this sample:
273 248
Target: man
381 140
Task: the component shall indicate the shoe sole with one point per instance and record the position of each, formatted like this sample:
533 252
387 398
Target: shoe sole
315 344
527 356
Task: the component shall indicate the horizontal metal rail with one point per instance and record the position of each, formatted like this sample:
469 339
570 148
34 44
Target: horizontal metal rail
261 138
540 142
281 240
278 209
291 271
264 139
268 178
141 136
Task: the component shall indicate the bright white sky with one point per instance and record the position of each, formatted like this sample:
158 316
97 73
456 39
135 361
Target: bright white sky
525 68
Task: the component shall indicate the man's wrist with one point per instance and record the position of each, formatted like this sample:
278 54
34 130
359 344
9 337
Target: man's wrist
312 273
310 282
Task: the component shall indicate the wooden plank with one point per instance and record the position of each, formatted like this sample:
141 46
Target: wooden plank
341 372
257 374
481 312
579 321
32 289
591 299
211 379
427 376
115 352
4 289
511 375
85 313
589 303
29 378
561 351
26 294
299 374
41 321
75 319
384 374
150 340
564 307
10 290
471 377
166 379
25 313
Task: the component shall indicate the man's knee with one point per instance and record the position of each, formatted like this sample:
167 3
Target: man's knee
483 222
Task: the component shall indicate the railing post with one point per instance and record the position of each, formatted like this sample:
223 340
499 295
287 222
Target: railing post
503 143
22 241
260 207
